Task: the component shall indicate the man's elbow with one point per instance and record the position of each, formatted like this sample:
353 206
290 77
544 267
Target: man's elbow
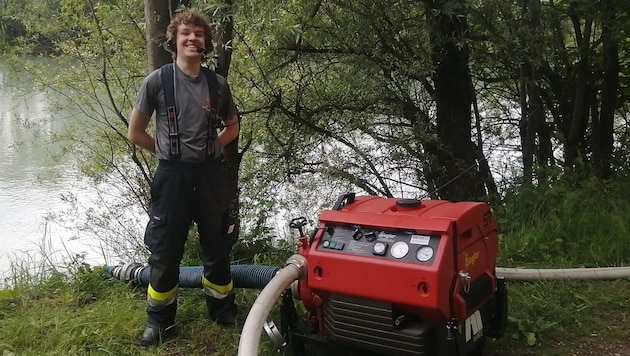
233 132
136 130
132 137
137 137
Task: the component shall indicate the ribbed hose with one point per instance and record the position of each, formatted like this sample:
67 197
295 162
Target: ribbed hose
243 276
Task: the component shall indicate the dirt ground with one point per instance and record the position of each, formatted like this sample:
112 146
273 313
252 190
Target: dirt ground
588 347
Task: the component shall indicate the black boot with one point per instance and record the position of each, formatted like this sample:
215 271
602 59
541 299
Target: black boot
223 311
154 335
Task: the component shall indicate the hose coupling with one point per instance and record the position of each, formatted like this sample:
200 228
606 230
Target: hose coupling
128 272
299 262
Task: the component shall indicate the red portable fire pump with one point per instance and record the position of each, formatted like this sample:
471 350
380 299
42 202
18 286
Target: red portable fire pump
399 277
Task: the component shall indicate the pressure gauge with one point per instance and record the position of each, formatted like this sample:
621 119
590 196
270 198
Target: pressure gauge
379 249
399 249
424 253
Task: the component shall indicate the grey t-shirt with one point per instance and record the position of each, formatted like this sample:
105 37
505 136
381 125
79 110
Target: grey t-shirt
192 100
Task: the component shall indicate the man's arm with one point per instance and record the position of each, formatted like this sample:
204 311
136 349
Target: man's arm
137 130
230 132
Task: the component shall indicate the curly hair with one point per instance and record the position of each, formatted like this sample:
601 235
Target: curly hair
188 18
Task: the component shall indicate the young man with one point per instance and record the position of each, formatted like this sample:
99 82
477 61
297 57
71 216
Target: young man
190 183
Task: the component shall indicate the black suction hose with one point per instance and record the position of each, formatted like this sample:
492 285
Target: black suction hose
243 276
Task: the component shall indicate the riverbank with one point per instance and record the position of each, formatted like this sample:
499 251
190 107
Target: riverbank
39 184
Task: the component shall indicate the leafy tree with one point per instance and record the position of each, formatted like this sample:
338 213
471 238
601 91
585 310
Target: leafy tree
347 91
558 64
10 28
383 97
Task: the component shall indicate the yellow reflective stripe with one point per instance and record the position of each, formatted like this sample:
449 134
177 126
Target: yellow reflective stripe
161 296
219 288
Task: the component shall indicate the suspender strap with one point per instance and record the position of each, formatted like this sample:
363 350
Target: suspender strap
213 121
168 85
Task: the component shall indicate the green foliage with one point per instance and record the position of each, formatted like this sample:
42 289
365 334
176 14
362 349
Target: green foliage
335 97
56 318
574 223
567 225
330 104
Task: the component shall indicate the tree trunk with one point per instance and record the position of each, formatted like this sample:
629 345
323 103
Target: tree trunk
603 128
580 114
224 33
223 37
525 131
459 178
533 124
157 14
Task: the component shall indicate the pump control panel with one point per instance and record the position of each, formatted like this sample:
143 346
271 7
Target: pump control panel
366 241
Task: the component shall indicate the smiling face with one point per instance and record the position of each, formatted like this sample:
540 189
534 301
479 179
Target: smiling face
189 39
188 31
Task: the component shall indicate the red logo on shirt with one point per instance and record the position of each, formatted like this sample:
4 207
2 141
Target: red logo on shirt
206 104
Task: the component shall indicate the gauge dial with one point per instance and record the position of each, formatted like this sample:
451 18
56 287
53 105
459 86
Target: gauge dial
379 249
424 253
399 249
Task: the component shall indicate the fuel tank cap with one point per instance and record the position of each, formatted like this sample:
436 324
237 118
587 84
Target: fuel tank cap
408 203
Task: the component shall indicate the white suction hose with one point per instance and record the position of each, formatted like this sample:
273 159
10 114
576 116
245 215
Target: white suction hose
294 269
604 273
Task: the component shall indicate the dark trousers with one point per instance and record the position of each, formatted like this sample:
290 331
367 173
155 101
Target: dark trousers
182 193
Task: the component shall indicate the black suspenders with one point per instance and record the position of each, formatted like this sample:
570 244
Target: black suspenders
168 85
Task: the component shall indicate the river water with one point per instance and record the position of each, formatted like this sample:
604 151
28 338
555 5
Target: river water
31 188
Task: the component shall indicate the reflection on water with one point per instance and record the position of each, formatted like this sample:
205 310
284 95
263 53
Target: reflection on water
30 188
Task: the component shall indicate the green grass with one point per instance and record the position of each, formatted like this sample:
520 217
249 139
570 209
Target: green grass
567 226
65 318
88 313
563 317
95 315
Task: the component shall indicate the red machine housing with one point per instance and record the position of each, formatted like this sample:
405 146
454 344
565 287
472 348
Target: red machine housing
432 260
